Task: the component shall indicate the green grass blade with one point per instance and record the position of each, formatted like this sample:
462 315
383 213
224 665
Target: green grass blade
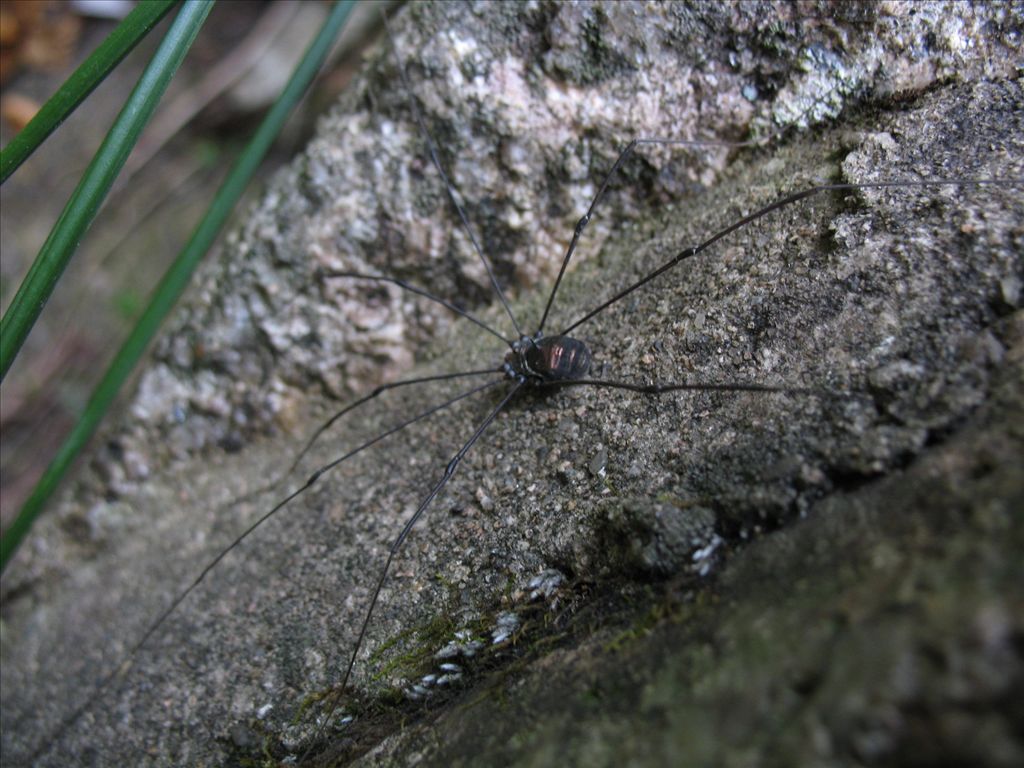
78 214
118 44
176 278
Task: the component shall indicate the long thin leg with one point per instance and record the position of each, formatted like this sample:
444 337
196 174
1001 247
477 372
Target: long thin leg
384 387
416 290
585 219
781 203
658 389
125 663
624 155
397 545
351 407
429 141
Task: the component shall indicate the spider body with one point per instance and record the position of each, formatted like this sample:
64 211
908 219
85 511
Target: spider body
542 359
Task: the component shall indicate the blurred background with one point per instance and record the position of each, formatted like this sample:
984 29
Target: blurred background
237 67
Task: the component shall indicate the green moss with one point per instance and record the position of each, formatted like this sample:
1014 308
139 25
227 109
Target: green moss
492 674
307 702
429 638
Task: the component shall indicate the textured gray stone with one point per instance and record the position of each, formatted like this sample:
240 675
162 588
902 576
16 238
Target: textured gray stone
858 531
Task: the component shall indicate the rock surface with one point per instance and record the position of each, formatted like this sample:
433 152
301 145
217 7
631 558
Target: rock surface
747 578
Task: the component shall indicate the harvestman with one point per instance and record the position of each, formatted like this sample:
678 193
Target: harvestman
539 361
533 361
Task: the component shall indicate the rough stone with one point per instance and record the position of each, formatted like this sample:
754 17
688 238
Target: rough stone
864 602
